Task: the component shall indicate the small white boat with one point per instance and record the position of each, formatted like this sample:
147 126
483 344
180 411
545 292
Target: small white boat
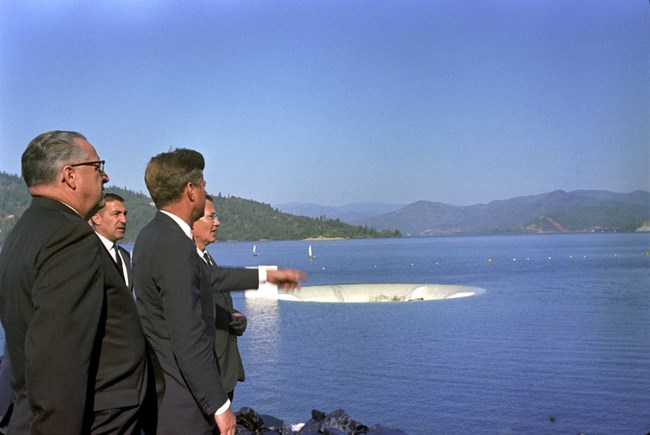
311 255
255 254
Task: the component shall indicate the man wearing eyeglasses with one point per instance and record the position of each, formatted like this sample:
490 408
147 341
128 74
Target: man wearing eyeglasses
230 323
73 337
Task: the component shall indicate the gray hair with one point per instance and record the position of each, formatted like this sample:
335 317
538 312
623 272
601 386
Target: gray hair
48 153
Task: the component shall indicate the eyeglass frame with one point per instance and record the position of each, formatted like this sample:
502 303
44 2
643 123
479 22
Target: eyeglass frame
211 218
99 168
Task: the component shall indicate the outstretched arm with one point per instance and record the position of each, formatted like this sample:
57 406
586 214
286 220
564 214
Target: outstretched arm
286 279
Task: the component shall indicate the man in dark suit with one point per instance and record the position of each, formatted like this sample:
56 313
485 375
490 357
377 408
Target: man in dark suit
174 297
175 302
109 222
230 323
77 351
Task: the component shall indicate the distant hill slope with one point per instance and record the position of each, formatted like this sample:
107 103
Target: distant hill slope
558 211
347 213
242 219
14 199
245 219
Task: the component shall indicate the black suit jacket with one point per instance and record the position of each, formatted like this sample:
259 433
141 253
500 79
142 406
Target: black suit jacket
175 303
76 347
223 280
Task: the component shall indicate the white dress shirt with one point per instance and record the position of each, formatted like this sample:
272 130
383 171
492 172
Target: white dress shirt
113 252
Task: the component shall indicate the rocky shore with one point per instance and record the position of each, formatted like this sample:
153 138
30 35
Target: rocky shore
249 422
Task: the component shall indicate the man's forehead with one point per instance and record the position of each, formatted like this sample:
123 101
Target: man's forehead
115 205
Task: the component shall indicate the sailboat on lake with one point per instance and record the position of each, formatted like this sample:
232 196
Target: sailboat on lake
255 254
311 255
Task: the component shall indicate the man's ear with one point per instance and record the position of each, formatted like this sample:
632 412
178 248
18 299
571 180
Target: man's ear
189 189
69 177
96 219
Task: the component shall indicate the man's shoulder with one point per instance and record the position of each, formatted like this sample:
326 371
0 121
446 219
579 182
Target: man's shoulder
161 234
160 224
46 218
41 204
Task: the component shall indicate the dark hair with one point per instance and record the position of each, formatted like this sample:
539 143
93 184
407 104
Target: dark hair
209 197
110 196
168 173
48 153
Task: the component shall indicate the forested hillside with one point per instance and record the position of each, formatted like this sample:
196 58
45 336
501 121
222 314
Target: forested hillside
241 219
14 199
244 219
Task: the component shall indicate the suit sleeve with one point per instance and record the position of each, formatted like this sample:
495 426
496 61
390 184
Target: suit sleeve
232 279
184 302
68 300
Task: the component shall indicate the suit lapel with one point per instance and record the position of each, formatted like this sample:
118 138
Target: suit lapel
127 263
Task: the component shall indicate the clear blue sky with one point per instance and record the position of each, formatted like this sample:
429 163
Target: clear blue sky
333 102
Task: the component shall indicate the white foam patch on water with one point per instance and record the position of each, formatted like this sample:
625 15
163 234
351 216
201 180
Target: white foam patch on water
367 293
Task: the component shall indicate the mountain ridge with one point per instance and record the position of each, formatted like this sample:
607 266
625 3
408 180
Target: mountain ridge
554 211
557 211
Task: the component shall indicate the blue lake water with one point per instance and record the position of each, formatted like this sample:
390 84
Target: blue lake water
558 343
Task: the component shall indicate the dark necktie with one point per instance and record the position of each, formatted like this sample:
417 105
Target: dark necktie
118 260
208 258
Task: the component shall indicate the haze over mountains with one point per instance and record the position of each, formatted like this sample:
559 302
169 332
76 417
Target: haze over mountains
558 211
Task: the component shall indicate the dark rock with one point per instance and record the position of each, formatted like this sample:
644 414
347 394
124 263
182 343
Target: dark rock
311 427
338 422
275 425
318 415
250 420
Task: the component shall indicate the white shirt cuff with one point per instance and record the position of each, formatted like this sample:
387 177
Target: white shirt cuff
261 274
223 408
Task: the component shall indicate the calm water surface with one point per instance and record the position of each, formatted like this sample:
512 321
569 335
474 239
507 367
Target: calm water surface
558 343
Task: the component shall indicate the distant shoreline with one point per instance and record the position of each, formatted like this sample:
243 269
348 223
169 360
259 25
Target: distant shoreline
309 239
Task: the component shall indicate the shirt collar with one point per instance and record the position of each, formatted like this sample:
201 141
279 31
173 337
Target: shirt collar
105 241
181 223
202 255
70 207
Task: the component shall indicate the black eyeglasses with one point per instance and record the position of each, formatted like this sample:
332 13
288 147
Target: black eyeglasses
98 164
